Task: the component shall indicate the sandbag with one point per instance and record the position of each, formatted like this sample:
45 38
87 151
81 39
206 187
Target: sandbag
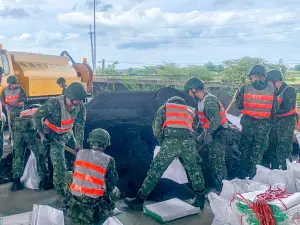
46 215
112 221
271 177
296 168
30 177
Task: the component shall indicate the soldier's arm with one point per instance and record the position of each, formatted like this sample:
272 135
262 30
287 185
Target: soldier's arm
3 97
212 112
43 112
79 126
289 103
111 178
23 96
158 122
240 98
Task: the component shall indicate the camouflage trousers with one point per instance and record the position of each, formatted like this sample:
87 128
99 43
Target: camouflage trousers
85 210
23 140
171 148
57 155
281 143
1 139
12 115
253 144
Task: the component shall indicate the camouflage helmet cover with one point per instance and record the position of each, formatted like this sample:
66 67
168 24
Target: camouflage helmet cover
12 80
99 135
194 83
176 99
274 75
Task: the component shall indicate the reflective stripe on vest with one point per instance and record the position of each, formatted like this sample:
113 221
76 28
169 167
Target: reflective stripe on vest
204 120
67 121
89 174
280 100
179 116
28 112
11 96
258 103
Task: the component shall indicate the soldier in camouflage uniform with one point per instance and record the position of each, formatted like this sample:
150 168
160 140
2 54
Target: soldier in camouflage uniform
214 123
59 115
62 84
1 120
25 137
13 98
173 127
92 200
257 102
281 135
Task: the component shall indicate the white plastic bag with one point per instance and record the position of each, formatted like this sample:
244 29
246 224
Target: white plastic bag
30 176
222 209
296 168
46 215
271 177
175 171
112 221
235 120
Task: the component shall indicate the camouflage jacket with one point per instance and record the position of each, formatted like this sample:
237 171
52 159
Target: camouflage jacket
259 85
160 133
289 99
212 112
51 111
64 90
22 99
111 177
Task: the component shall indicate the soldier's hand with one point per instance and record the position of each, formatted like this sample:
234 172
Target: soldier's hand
43 138
208 138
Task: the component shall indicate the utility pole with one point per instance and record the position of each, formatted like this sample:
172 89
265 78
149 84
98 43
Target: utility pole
92 47
95 53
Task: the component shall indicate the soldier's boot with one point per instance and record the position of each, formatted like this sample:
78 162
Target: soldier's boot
46 184
17 185
200 199
135 203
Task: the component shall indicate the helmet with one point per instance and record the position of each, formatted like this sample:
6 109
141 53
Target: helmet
1 70
61 80
257 70
176 99
99 135
194 83
34 106
76 91
12 80
274 75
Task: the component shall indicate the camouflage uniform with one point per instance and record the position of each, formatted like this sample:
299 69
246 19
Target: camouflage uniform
255 135
14 111
216 149
64 89
281 135
175 143
51 110
1 139
25 137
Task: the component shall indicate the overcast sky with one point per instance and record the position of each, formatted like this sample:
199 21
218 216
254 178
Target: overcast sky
151 31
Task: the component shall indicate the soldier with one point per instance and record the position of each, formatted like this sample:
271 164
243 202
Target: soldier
173 127
256 100
62 84
1 120
13 98
281 135
91 200
25 137
214 122
60 114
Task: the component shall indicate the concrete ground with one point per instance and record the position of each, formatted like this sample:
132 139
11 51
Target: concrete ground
22 201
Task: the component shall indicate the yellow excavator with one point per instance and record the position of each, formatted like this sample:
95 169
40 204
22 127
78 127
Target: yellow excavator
38 73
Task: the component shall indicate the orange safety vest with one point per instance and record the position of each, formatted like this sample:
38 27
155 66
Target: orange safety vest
11 96
258 103
280 100
179 116
67 120
204 120
28 112
89 174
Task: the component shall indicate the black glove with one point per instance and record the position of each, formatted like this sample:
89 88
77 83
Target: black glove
208 138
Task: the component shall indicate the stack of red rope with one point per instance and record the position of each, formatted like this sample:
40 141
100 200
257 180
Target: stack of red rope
261 207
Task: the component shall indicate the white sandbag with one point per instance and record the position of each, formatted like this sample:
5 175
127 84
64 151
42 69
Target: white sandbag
218 221
18 219
222 210
235 120
46 215
112 221
296 168
231 188
271 177
30 176
297 136
175 171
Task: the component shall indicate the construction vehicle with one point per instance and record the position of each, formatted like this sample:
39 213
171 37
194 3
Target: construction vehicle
38 73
